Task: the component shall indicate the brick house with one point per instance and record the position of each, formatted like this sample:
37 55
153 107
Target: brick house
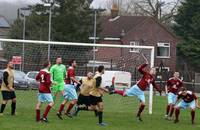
136 30
4 29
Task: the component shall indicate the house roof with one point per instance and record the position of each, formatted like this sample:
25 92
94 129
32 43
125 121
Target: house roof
114 28
121 24
3 22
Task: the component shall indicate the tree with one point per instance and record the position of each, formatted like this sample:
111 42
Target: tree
72 21
15 33
187 28
36 29
161 10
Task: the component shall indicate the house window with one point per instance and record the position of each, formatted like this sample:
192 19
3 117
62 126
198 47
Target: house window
134 43
163 50
1 45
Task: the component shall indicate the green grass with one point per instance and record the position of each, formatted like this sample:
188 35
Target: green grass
119 114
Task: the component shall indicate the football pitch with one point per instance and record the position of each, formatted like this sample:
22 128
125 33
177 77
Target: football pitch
119 114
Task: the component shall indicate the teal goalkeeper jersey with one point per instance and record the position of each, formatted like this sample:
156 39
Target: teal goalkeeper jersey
58 72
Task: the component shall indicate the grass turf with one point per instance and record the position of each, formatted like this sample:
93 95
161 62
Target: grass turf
119 114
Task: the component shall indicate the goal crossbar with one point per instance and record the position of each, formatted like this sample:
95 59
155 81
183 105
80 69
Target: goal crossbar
93 45
75 44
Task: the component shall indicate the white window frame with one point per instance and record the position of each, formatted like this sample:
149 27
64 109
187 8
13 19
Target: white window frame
163 44
1 45
134 50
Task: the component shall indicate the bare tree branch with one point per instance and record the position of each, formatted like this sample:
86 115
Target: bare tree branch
161 10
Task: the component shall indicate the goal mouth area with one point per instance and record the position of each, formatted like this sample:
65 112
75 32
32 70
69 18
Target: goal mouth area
113 56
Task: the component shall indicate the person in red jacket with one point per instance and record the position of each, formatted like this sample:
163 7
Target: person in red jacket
44 77
139 88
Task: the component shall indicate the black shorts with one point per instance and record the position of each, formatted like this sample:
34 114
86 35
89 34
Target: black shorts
84 100
95 100
8 95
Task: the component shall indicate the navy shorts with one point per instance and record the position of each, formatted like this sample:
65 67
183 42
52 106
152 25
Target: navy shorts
8 95
86 100
95 100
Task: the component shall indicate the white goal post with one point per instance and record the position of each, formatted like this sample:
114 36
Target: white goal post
151 48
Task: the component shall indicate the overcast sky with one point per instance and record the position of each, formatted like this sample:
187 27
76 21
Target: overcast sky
21 1
96 3
9 10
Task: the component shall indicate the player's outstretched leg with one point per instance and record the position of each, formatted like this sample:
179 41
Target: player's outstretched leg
80 108
111 89
141 108
120 92
177 112
85 108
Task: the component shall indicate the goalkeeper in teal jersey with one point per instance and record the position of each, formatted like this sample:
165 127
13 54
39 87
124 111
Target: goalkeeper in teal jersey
58 74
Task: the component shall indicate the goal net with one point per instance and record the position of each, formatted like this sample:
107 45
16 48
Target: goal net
29 55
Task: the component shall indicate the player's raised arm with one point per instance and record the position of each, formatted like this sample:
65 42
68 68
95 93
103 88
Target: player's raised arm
146 61
141 67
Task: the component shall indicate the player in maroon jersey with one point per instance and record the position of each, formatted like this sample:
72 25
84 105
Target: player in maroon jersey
44 77
139 88
188 99
172 87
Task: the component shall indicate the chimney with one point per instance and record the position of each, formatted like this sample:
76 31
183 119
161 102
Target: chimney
114 11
